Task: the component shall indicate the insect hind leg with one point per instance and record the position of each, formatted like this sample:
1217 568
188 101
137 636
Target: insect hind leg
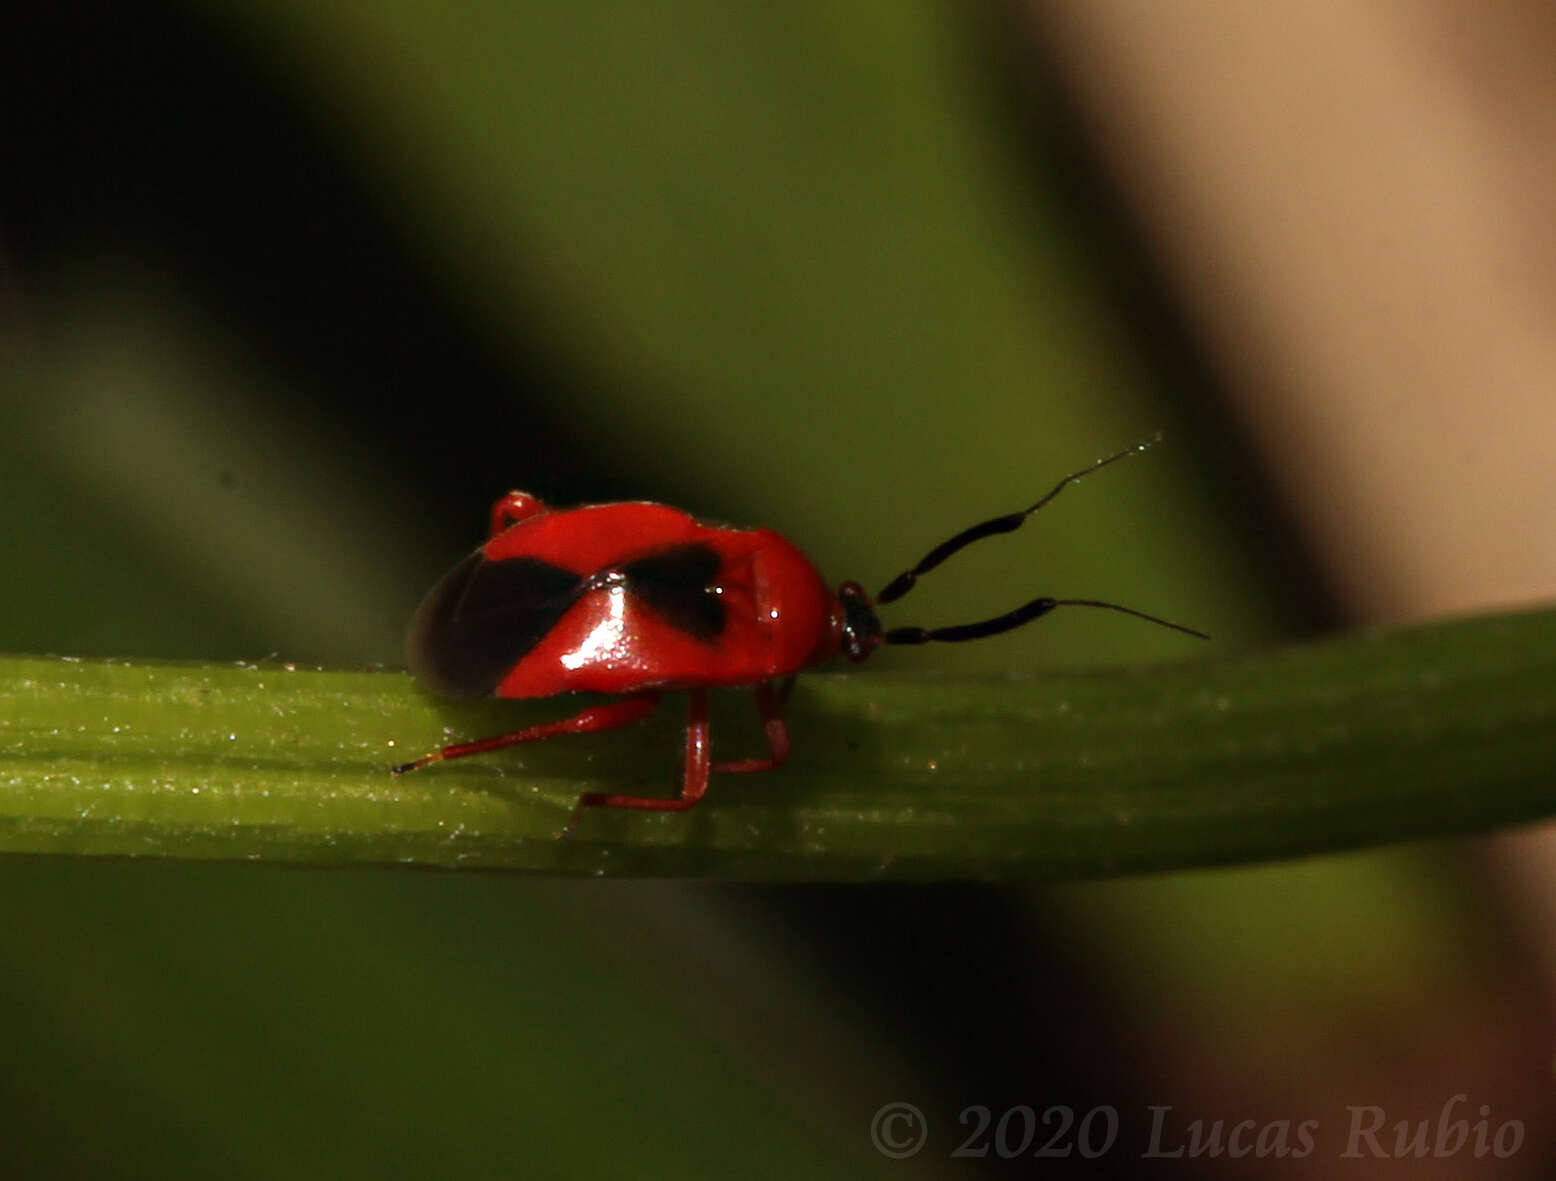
599 717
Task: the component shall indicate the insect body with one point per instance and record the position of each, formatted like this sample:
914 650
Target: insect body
640 599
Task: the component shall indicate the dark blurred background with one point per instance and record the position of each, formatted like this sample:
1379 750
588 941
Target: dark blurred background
290 293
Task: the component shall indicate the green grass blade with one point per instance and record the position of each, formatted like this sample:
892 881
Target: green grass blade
1437 730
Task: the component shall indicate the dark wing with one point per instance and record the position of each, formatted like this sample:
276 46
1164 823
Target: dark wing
482 619
677 584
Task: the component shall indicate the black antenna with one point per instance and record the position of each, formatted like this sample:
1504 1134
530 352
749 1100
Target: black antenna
1036 609
1014 619
903 583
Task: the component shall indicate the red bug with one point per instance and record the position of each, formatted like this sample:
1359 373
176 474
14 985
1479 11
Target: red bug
639 599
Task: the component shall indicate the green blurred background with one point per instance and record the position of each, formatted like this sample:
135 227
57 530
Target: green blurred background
292 292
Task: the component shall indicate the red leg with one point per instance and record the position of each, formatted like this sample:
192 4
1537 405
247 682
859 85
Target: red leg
770 702
695 781
599 717
513 508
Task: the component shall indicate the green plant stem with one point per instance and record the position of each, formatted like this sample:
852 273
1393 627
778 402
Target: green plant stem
1439 730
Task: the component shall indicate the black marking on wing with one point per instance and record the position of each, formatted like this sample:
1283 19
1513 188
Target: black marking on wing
483 618
677 584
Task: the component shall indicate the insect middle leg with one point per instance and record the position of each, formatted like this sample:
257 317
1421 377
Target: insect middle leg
694 781
770 702
599 717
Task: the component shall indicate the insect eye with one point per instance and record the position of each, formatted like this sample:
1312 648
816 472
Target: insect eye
861 626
